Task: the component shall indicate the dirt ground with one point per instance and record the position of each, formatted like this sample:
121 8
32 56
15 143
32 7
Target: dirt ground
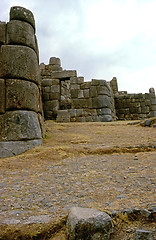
107 166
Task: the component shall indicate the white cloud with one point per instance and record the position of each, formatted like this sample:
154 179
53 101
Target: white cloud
99 38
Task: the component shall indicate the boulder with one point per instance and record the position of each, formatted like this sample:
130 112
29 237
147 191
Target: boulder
88 224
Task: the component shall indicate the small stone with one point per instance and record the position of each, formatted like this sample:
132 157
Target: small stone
144 235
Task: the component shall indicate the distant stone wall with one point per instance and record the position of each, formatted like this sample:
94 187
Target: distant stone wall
135 106
67 97
20 86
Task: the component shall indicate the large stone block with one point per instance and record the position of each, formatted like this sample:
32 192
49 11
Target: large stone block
21 94
2 32
74 93
101 102
49 82
23 14
19 62
87 223
93 91
2 95
20 33
64 74
19 125
86 93
80 80
103 90
55 89
51 105
55 61
78 103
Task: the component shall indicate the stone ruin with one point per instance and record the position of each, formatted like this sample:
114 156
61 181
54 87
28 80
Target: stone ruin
24 86
67 98
21 121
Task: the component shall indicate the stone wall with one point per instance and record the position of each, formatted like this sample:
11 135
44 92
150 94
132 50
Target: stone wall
135 106
20 86
67 97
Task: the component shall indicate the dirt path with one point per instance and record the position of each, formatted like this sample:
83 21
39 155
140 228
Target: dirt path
107 166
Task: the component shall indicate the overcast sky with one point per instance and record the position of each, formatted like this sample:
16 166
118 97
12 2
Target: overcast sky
98 38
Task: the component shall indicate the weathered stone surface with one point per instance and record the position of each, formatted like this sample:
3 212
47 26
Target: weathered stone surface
22 33
11 148
88 224
101 102
80 80
86 93
21 94
64 74
51 105
55 61
23 14
19 125
63 116
2 95
49 82
2 32
103 90
19 62
144 235
79 103
106 118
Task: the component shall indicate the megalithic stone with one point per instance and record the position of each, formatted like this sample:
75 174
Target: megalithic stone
21 120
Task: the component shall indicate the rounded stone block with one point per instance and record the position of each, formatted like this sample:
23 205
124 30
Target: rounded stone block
19 62
19 125
23 14
21 33
21 94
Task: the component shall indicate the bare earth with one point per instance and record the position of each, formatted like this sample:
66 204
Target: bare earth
107 166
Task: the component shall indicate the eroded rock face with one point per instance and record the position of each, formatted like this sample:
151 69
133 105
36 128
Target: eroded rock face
88 224
20 95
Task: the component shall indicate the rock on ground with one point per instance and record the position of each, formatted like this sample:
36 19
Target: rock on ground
86 223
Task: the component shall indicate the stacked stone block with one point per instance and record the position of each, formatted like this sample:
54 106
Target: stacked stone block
93 99
55 87
67 97
135 106
20 87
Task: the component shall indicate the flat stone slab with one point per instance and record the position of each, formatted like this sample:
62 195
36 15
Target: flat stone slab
12 148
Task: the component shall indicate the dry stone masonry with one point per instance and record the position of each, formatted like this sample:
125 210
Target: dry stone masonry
20 86
67 97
